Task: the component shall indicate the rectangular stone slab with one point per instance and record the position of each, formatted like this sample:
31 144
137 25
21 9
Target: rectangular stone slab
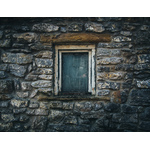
76 37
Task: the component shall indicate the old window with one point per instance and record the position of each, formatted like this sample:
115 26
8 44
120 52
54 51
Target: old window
74 69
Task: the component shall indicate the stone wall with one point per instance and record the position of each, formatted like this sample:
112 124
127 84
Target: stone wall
122 100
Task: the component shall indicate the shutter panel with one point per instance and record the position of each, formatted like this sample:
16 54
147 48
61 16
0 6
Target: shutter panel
75 72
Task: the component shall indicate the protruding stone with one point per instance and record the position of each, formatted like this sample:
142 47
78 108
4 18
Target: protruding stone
145 58
45 77
112 107
41 84
95 27
44 63
126 33
17 70
26 86
108 85
8 117
75 27
3 67
43 71
31 77
111 76
44 54
19 110
22 94
103 92
19 58
2 75
56 104
45 27
121 39
25 37
111 60
19 103
5 43
143 84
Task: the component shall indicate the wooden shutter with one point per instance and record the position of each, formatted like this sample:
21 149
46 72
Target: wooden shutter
75 72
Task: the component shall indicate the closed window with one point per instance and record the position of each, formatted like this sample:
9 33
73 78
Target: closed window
74 70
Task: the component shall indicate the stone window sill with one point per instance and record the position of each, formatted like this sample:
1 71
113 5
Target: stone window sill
70 98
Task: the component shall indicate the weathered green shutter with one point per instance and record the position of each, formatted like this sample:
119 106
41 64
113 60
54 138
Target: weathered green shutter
75 72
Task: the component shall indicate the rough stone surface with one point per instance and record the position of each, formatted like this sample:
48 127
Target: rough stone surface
41 84
44 63
17 70
19 58
45 27
19 103
25 37
6 86
112 60
95 27
121 102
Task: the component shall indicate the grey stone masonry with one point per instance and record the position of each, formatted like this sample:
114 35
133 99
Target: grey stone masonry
117 77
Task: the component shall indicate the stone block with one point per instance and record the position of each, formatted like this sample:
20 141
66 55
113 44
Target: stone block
44 63
41 84
26 86
143 83
111 61
39 123
112 107
27 37
122 39
4 104
43 71
144 58
76 37
22 94
17 70
6 86
75 27
44 54
31 77
68 105
126 33
129 109
2 75
94 27
145 115
8 117
70 120
111 76
33 105
139 97
37 112
56 116
19 103
19 110
5 97
56 104
3 67
103 92
108 85
23 118
144 125
5 43
19 58
45 77
44 27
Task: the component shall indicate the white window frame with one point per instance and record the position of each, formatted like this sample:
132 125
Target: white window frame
60 49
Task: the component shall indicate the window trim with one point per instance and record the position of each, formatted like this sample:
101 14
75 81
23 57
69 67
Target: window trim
60 49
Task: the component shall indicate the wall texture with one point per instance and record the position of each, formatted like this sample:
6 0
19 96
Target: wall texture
122 100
